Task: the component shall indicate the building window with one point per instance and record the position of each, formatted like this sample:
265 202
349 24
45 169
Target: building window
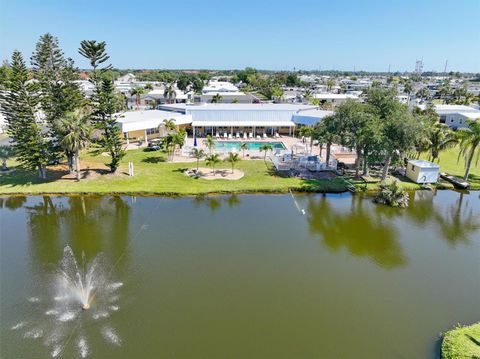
152 131
413 168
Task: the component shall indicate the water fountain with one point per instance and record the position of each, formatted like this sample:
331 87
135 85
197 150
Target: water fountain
83 295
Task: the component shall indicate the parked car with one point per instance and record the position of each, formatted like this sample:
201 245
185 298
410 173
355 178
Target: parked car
154 145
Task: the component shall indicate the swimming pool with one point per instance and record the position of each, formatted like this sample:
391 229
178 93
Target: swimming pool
251 145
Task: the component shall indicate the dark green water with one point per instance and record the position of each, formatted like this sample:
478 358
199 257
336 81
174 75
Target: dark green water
247 276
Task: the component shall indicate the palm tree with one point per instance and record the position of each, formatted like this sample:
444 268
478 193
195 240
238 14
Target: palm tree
169 125
265 148
198 154
232 158
75 135
243 147
439 139
169 144
210 143
423 93
169 92
213 160
216 98
148 87
408 89
137 92
6 152
469 144
445 91
330 84
307 131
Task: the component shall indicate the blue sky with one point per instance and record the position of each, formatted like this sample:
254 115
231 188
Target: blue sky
267 34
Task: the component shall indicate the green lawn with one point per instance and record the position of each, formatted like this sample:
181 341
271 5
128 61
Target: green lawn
450 163
153 175
462 342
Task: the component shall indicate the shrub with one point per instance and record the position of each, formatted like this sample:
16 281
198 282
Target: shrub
393 195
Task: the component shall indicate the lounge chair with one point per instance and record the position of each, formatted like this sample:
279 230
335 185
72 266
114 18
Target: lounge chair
250 135
244 135
277 135
265 135
237 135
230 136
217 135
225 135
258 137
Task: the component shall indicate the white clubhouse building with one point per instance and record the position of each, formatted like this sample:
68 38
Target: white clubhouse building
221 120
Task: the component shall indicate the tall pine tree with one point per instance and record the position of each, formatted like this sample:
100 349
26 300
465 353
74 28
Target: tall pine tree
103 101
19 105
59 93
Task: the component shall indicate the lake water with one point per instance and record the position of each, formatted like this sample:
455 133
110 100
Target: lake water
242 276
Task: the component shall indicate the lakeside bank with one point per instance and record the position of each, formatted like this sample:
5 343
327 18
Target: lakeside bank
155 176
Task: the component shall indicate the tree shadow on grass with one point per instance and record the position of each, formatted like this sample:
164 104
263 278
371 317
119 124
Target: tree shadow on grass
22 177
153 159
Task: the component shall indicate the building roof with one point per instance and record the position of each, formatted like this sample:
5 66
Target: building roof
248 107
471 115
447 109
335 96
310 117
142 120
223 94
220 86
242 123
424 164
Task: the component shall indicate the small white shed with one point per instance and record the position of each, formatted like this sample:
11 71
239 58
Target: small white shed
421 171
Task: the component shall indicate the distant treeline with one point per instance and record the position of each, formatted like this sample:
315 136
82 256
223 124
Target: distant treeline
166 75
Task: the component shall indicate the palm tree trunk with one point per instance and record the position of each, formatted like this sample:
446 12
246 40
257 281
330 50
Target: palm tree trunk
321 147
357 163
366 169
42 172
327 157
388 159
469 162
77 164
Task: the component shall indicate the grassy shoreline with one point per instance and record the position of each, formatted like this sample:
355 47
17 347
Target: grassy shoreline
155 176
462 342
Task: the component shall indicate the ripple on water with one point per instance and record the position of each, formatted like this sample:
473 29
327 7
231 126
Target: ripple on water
34 334
100 315
33 299
83 347
18 325
115 286
109 335
67 316
57 349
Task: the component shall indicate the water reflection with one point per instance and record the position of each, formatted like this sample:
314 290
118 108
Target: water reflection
12 202
369 230
363 232
89 225
457 221
216 202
